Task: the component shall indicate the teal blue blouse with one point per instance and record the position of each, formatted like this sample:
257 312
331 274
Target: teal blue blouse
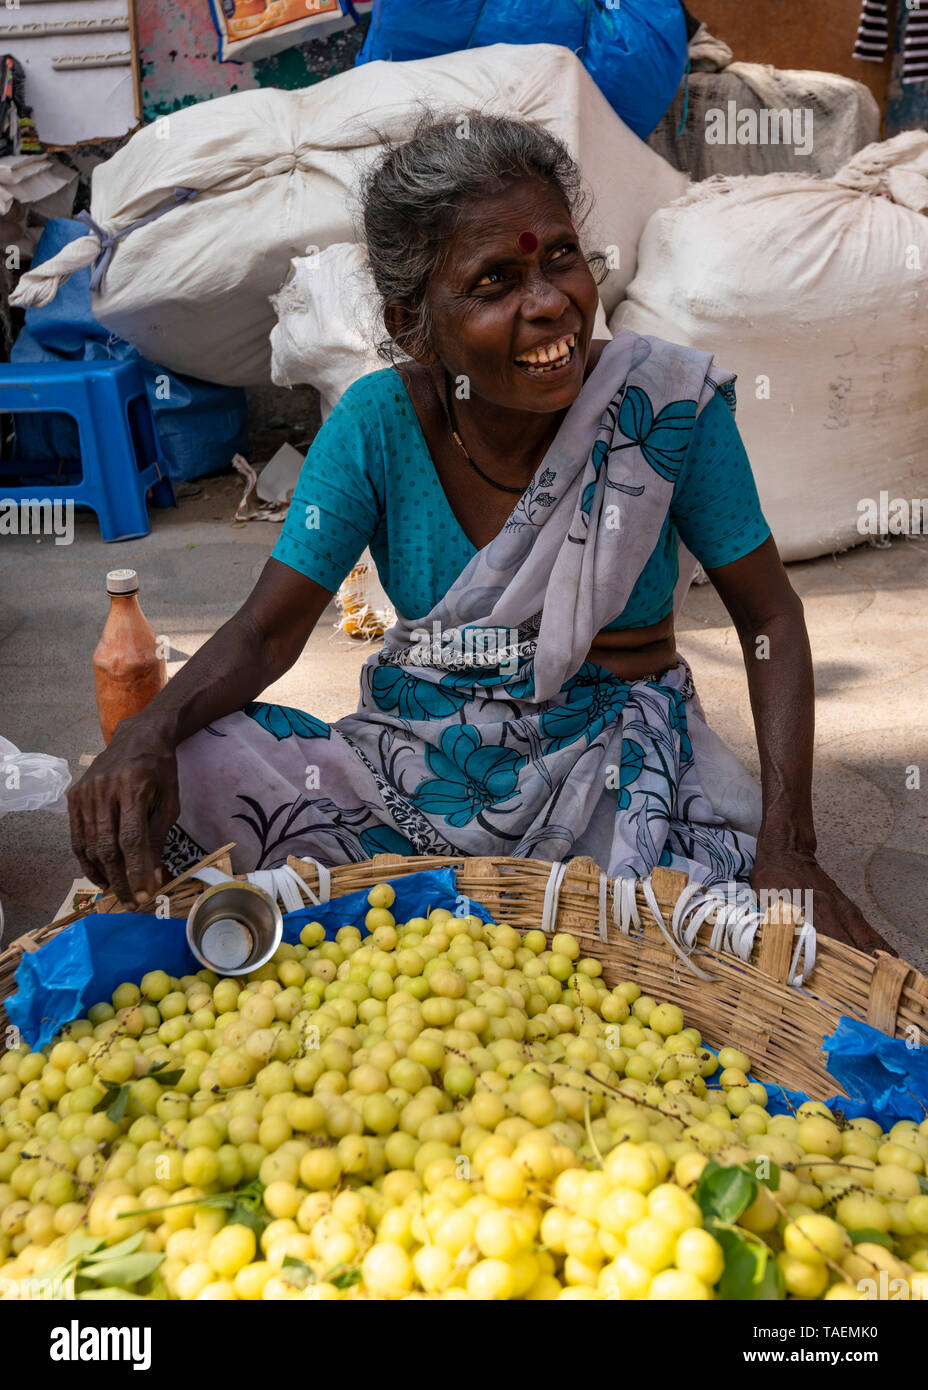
369 480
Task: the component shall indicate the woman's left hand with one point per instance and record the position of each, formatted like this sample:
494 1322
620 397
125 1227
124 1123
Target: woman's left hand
832 912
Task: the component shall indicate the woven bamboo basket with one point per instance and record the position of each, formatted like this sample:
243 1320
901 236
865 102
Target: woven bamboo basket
747 1004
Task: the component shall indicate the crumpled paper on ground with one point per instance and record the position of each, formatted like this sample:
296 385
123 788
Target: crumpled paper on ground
274 485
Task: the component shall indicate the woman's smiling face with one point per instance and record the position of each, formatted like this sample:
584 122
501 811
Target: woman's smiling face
516 317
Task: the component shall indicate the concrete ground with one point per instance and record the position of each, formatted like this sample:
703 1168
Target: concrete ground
865 611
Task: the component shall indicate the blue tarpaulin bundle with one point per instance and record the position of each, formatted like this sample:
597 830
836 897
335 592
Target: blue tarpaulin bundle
885 1078
84 963
200 425
635 51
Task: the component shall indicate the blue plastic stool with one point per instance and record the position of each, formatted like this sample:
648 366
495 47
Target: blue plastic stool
120 455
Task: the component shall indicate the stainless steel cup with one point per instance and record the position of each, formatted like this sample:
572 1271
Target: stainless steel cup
234 927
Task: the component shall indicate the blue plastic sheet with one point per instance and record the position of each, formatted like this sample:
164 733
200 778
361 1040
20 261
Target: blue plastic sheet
886 1079
416 894
889 1075
635 52
200 425
84 963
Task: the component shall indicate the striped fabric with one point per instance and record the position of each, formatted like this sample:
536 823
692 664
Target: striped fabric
872 32
915 46
873 37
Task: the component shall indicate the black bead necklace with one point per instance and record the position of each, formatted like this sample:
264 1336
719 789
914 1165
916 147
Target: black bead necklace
502 487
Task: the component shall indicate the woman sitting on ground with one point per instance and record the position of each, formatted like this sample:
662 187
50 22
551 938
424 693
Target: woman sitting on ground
524 491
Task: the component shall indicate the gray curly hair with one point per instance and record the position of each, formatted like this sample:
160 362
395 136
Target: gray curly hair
414 194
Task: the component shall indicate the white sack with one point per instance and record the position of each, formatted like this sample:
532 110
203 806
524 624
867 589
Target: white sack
243 37
828 119
36 179
819 288
329 323
707 53
276 175
33 188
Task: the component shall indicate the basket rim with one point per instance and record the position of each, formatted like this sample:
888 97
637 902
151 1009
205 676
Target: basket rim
894 975
779 1025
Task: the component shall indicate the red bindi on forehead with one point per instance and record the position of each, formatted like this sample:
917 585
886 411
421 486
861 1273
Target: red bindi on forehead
528 242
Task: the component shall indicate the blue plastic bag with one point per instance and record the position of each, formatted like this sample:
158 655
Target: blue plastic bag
888 1076
200 425
635 51
399 32
886 1079
84 963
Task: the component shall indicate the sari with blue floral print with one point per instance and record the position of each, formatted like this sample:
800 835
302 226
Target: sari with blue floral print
482 728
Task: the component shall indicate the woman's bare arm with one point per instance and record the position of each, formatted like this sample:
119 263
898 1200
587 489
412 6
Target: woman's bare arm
768 617
124 805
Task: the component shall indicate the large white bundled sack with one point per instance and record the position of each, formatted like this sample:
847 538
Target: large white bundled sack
329 323
816 293
753 118
238 186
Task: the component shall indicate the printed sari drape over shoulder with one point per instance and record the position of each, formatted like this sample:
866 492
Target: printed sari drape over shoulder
482 728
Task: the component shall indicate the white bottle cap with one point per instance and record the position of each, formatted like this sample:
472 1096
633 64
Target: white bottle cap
122 582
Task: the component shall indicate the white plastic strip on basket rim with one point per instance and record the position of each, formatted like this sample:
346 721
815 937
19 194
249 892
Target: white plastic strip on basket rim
625 912
673 935
552 894
283 883
803 955
733 930
624 903
601 919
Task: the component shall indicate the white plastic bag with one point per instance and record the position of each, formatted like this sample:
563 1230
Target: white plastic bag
31 781
236 187
328 323
814 292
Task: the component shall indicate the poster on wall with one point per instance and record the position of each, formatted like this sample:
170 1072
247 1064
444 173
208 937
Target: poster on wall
250 29
79 61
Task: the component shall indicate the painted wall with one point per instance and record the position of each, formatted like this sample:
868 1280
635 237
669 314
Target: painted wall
819 34
814 34
177 51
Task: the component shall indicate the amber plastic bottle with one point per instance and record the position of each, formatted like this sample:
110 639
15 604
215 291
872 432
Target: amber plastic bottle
127 670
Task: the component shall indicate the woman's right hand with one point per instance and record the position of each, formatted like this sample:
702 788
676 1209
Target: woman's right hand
122 809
